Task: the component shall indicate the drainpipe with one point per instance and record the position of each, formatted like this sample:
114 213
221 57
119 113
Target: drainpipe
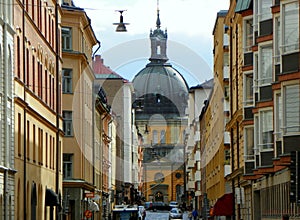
24 123
99 45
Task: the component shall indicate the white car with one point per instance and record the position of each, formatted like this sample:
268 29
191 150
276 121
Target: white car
174 204
175 213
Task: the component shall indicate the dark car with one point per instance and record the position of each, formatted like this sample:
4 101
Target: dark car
148 205
159 206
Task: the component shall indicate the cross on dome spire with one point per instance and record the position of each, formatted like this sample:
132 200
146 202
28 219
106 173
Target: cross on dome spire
158 20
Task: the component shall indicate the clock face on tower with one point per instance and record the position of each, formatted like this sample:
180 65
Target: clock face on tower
159 177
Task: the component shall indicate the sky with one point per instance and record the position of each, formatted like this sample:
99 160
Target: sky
189 24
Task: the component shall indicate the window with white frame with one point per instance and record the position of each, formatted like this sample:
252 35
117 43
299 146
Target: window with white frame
264 9
248 89
265 68
248 35
278 116
256 134
291 99
277 39
249 143
255 72
66 33
67 123
266 129
290 27
67 86
67 166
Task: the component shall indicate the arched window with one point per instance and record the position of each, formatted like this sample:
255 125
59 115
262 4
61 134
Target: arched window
162 136
154 137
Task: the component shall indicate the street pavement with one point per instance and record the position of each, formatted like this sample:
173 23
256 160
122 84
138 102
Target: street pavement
161 215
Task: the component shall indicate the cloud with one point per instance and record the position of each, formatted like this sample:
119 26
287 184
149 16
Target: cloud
189 22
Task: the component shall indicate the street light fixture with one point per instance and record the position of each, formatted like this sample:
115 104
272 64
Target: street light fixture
121 25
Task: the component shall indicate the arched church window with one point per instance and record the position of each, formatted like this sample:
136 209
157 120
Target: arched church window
155 137
158 51
162 136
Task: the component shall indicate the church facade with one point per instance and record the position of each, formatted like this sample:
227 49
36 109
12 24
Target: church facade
161 95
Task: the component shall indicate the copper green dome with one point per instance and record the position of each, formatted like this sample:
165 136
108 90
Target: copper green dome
160 88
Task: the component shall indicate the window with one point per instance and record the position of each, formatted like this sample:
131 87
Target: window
278 116
66 38
264 10
249 143
266 129
291 108
67 123
255 72
67 80
277 40
155 137
265 71
248 89
248 35
163 137
227 157
290 27
68 166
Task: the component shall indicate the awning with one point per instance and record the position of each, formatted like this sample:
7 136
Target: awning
51 198
224 205
242 5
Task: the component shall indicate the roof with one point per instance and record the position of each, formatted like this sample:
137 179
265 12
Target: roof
208 84
103 72
242 5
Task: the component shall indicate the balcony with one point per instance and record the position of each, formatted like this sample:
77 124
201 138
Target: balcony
191 184
225 72
191 163
197 156
227 170
197 136
198 175
226 137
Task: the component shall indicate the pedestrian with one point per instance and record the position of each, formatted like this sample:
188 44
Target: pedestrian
190 215
195 214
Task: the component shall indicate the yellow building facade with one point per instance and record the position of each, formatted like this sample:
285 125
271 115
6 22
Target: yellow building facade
38 122
82 155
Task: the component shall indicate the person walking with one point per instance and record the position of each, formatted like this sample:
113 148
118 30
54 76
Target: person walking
195 214
190 215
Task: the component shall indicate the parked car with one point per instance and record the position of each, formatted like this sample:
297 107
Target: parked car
148 205
173 204
175 213
159 206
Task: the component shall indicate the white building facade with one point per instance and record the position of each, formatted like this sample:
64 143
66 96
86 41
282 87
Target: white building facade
7 170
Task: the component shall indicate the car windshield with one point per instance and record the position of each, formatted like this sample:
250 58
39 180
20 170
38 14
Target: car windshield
175 211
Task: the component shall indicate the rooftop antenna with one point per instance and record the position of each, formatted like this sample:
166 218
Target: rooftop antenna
121 25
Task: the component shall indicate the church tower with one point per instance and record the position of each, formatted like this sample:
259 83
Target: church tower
160 101
158 40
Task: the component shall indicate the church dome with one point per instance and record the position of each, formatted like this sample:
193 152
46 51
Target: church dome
160 88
